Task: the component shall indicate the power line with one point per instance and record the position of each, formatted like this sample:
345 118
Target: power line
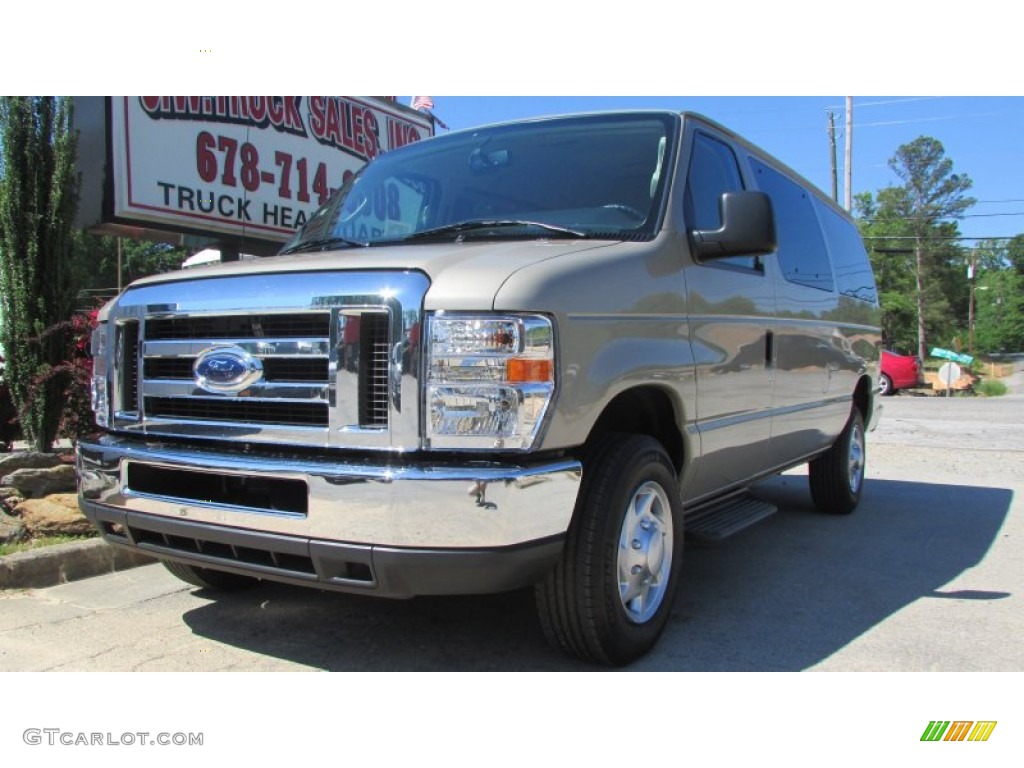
989 215
927 119
936 237
928 218
893 101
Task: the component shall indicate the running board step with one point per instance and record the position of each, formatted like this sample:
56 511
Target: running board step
719 521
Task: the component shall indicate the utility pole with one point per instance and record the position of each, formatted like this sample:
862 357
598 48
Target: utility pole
972 268
922 348
832 153
849 153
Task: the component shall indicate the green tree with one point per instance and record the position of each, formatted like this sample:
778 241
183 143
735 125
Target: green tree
890 240
883 231
933 194
95 261
38 198
1015 253
999 296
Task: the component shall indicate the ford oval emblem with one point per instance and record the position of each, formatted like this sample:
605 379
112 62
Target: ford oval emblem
226 370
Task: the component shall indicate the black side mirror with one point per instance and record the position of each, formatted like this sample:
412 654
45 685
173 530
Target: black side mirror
748 228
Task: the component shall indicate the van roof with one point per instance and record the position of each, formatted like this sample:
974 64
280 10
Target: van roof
685 116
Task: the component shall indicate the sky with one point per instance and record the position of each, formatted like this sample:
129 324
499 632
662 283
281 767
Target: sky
762 69
981 135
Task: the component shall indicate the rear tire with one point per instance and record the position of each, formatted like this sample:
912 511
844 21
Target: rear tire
207 578
610 596
885 385
837 476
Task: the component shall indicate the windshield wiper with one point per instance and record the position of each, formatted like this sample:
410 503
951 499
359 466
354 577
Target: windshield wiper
462 227
322 245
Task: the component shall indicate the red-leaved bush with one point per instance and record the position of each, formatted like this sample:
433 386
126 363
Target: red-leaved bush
74 374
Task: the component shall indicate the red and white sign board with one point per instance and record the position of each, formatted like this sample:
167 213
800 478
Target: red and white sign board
254 167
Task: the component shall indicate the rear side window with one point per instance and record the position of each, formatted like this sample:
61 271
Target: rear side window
713 170
849 259
802 255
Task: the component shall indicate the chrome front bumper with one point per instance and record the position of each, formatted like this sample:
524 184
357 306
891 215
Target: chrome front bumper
397 528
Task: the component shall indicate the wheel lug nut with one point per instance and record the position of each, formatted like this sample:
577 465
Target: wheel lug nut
635 570
645 524
636 544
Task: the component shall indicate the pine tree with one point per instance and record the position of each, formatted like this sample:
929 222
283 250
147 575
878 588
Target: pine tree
932 194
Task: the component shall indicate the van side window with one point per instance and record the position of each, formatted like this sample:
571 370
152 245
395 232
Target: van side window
713 170
849 259
802 256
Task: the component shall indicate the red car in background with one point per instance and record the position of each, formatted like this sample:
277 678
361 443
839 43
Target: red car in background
898 372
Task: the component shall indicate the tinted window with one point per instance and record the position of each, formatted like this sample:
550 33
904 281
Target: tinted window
849 259
598 175
801 254
713 170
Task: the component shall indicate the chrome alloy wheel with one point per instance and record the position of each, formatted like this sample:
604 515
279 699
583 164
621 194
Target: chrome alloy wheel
856 453
645 552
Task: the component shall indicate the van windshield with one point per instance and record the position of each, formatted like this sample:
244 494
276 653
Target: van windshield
595 176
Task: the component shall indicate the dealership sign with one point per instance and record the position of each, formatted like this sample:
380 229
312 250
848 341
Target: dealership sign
249 167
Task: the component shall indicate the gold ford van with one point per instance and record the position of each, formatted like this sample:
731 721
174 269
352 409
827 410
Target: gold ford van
526 354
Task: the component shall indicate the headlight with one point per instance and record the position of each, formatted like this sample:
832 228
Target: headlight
490 380
100 400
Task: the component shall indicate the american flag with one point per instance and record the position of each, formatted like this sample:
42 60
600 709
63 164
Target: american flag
422 103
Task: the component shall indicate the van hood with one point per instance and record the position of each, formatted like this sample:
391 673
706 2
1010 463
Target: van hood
463 276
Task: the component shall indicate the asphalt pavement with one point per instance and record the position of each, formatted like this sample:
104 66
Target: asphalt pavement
925 575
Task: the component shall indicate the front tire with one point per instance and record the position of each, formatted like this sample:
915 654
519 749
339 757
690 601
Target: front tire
837 476
885 385
207 578
610 596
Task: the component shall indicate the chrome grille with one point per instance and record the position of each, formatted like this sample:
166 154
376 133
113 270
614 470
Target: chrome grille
296 414
339 354
373 372
128 365
294 342
274 369
258 326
